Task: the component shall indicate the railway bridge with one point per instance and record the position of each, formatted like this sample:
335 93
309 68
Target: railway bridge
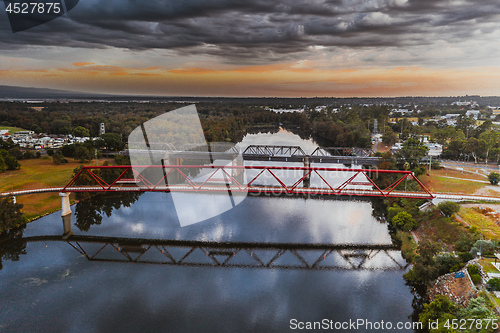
236 178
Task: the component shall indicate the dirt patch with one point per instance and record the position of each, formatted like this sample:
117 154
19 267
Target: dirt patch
459 290
489 190
382 147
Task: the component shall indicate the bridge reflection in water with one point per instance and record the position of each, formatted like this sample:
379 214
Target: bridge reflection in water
235 254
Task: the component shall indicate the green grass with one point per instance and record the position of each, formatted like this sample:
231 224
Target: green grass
438 181
38 173
488 266
485 224
12 130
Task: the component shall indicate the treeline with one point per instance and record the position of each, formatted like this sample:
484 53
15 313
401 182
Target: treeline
220 122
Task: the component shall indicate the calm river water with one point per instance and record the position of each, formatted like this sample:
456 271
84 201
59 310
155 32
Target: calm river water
54 288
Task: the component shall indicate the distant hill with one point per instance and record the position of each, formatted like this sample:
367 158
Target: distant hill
12 92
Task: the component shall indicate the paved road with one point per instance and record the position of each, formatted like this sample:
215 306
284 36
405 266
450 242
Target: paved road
456 164
438 196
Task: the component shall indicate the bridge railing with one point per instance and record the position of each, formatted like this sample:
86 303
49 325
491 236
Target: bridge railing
251 179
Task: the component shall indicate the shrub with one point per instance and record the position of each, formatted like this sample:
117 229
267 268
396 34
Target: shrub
58 158
494 178
476 278
28 154
447 262
448 208
404 221
393 211
494 283
466 242
473 269
465 256
11 163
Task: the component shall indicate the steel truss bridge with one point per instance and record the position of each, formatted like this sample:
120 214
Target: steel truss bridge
234 254
339 155
261 180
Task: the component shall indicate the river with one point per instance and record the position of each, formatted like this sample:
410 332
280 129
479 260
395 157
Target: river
54 288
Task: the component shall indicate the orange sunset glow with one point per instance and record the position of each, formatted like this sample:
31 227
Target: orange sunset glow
382 48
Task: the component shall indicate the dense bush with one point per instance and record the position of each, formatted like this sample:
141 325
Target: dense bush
404 221
494 178
473 269
494 283
448 262
465 256
448 208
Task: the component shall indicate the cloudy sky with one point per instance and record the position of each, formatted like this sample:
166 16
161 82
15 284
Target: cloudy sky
261 48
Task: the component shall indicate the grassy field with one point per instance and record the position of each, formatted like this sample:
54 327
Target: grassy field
487 265
37 173
11 130
438 181
485 223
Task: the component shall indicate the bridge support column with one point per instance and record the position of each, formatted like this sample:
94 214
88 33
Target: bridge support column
307 181
66 215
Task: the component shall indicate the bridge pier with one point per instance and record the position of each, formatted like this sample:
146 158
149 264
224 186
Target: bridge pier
66 214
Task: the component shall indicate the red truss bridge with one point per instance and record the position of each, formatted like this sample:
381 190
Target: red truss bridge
275 180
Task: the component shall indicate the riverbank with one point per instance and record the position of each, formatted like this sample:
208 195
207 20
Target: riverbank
39 173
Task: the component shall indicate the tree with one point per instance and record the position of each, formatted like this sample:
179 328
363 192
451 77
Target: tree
448 208
455 149
479 308
483 246
80 131
12 163
412 151
58 158
10 214
441 308
494 283
491 139
425 268
404 221
111 141
494 178
389 137
16 152
448 262
82 154
3 166
466 124
475 148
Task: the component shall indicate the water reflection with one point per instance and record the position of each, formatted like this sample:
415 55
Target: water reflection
234 254
12 245
90 210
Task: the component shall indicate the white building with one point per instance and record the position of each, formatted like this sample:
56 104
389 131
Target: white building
473 113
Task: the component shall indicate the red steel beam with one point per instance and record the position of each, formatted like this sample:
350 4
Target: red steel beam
249 187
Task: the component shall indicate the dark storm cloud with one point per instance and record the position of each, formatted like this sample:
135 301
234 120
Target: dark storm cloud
256 29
